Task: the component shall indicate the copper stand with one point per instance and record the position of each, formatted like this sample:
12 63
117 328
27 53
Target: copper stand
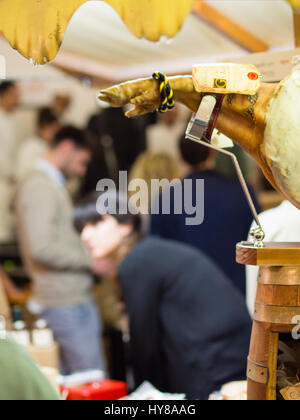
276 310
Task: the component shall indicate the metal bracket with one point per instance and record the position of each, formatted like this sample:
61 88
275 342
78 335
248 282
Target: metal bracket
199 130
271 314
257 373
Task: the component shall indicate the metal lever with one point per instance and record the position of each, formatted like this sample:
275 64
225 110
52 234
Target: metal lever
200 121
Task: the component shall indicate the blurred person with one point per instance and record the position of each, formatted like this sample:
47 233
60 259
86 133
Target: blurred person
21 379
281 224
189 327
60 105
117 142
227 216
164 136
15 295
36 147
4 303
9 102
56 259
149 166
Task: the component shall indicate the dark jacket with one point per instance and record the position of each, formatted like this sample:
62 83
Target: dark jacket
190 329
117 142
227 220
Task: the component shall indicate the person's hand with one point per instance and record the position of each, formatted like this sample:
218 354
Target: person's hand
105 237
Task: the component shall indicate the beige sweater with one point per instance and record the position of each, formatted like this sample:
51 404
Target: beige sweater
54 255
4 306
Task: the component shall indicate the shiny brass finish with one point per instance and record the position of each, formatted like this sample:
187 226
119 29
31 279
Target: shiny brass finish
283 315
36 27
279 254
279 276
276 254
277 310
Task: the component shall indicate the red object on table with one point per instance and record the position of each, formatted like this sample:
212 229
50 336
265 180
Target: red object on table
97 391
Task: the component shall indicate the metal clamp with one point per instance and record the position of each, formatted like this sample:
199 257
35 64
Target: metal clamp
257 373
200 130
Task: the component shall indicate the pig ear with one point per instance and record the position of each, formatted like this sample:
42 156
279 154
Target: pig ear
36 28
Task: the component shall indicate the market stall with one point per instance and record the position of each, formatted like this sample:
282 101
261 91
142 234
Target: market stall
250 98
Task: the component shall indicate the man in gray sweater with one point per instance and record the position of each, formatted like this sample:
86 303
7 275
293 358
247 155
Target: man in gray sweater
56 259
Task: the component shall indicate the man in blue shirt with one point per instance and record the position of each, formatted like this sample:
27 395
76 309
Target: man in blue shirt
227 217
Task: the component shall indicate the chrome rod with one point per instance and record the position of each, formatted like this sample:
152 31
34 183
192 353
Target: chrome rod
239 173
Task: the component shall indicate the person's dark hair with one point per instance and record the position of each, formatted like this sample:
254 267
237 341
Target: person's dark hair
192 152
86 212
77 136
6 85
46 117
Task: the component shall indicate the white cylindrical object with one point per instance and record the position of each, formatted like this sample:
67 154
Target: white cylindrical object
42 336
20 334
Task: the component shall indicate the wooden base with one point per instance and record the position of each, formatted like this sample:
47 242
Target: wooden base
263 358
277 305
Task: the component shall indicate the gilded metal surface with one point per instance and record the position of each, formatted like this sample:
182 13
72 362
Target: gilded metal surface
279 254
258 236
269 314
280 276
276 254
294 3
257 373
36 27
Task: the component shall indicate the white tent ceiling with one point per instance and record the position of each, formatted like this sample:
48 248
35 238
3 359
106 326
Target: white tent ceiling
40 83
97 34
269 20
98 44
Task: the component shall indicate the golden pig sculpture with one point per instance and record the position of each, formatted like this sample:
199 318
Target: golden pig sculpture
266 124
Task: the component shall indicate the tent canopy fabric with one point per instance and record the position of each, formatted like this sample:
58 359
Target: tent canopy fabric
98 44
36 28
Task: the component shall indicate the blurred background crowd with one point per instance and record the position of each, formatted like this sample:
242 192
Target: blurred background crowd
51 161
132 297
